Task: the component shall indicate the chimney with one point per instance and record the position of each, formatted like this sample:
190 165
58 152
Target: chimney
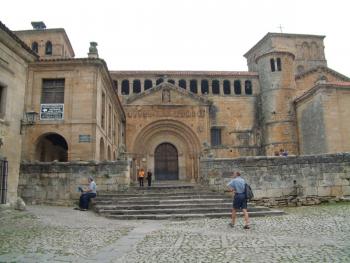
93 53
39 25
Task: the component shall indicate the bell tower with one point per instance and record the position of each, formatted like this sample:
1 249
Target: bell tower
274 58
277 116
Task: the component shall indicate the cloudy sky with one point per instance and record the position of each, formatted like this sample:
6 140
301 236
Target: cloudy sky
185 34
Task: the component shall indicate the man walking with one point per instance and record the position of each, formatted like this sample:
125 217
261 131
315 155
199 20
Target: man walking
237 186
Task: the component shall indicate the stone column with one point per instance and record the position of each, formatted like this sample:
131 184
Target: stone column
142 85
131 85
210 86
221 86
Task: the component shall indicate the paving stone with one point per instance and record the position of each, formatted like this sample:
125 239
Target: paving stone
60 234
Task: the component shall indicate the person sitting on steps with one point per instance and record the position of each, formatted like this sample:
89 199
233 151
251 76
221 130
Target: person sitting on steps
87 194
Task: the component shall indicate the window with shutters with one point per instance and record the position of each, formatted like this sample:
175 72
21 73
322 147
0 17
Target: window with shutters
215 136
52 91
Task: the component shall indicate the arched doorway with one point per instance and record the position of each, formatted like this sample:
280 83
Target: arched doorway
175 133
166 164
51 147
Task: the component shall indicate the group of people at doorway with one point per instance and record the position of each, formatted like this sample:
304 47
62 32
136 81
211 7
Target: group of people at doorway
141 176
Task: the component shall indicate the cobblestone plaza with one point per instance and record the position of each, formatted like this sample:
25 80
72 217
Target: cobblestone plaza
59 234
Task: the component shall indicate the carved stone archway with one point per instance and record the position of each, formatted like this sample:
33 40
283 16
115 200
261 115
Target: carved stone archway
172 132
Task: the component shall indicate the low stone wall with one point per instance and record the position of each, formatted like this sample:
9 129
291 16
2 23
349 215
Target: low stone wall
273 177
56 183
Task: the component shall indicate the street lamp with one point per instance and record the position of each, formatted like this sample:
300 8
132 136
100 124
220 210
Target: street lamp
30 119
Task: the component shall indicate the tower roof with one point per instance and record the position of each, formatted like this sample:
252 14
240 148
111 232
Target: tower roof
282 35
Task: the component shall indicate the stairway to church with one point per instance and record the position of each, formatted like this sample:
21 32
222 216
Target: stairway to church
170 200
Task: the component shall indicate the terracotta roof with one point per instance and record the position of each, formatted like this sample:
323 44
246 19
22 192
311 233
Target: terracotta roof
327 69
185 73
326 85
18 40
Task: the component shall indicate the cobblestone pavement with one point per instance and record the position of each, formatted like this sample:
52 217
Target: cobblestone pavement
57 234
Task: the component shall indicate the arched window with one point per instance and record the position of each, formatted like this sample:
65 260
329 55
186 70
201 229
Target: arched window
215 86
125 87
227 87
279 64
237 87
248 87
136 86
171 81
182 83
314 50
35 47
272 63
48 48
305 50
158 81
204 86
193 86
148 84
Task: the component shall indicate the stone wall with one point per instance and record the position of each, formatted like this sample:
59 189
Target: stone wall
56 183
272 177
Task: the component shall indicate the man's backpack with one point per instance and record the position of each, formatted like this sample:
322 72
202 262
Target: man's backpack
248 192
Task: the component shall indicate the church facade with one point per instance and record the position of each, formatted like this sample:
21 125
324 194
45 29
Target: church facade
167 121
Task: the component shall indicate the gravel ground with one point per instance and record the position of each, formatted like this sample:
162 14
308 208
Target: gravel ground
60 234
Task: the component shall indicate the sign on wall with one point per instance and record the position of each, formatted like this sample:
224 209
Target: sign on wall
51 111
84 138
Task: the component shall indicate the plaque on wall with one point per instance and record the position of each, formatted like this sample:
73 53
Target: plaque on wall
84 138
51 111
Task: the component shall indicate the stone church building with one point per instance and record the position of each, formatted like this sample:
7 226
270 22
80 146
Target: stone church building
167 121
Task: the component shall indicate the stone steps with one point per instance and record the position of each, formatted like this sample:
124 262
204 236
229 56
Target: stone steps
167 201
192 216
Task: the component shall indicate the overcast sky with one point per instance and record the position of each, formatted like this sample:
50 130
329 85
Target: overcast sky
185 34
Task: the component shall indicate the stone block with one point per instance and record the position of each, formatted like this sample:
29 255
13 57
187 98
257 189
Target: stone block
274 192
324 191
346 190
336 191
259 193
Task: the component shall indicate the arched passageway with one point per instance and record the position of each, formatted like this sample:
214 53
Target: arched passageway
51 147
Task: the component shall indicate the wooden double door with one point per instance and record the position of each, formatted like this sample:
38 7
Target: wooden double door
166 162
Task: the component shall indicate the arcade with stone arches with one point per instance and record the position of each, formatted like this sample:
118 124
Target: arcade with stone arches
169 149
